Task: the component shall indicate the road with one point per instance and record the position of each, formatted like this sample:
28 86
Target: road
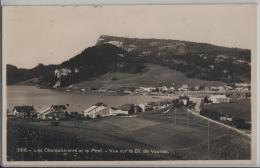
219 123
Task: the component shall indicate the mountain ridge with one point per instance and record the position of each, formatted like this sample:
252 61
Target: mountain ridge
177 40
128 55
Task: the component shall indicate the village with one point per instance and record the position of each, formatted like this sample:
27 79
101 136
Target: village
164 90
206 101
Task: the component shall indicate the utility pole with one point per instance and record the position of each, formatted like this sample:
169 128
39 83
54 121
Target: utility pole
174 116
188 117
208 138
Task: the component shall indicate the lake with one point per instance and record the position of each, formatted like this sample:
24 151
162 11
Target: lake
43 98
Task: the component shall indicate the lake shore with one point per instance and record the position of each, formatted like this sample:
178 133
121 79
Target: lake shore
43 98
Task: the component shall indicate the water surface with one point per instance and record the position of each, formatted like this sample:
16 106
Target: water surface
43 98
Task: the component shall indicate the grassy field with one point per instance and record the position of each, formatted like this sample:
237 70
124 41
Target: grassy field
155 76
239 109
157 136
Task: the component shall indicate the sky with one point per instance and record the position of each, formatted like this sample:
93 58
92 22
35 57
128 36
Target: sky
53 34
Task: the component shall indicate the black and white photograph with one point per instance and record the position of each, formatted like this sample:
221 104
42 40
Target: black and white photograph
129 83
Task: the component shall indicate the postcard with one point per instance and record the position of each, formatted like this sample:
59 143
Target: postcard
111 85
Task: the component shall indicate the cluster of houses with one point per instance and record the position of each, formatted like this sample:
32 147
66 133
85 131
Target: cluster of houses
59 112
186 87
237 87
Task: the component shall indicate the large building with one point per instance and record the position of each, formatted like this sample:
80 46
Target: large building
219 99
55 112
97 110
24 111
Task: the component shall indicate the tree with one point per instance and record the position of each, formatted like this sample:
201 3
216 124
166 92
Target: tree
206 100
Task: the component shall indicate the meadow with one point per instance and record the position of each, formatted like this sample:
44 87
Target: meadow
174 135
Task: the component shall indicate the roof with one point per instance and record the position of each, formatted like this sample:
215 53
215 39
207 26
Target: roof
58 107
44 111
89 109
95 109
100 104
24 108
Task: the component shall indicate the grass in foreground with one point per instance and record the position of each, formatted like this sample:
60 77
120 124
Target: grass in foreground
183 140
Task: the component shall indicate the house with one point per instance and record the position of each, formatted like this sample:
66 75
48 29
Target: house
221 88
219 99
242 89
131 108
97 110
206 89
184 87
228 87
83 90
242 84
55 112
225 117
145 89
171 89
62 72
142 106
114 111
196 88
163 89
24 111
184 100
128 92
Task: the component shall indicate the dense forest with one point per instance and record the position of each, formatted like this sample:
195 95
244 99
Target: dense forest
196 60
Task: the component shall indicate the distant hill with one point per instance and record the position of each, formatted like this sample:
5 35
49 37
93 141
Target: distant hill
132 57
196 60
91 62
43 74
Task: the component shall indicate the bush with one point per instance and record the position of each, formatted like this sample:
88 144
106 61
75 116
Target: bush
114 78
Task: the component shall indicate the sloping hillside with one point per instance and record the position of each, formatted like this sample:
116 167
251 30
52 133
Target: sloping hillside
155 75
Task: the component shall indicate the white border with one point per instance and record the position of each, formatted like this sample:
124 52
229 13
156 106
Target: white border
258 83
134 163
121 2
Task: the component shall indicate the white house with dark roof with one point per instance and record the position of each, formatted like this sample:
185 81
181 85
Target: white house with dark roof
24 111
97 110
55 112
